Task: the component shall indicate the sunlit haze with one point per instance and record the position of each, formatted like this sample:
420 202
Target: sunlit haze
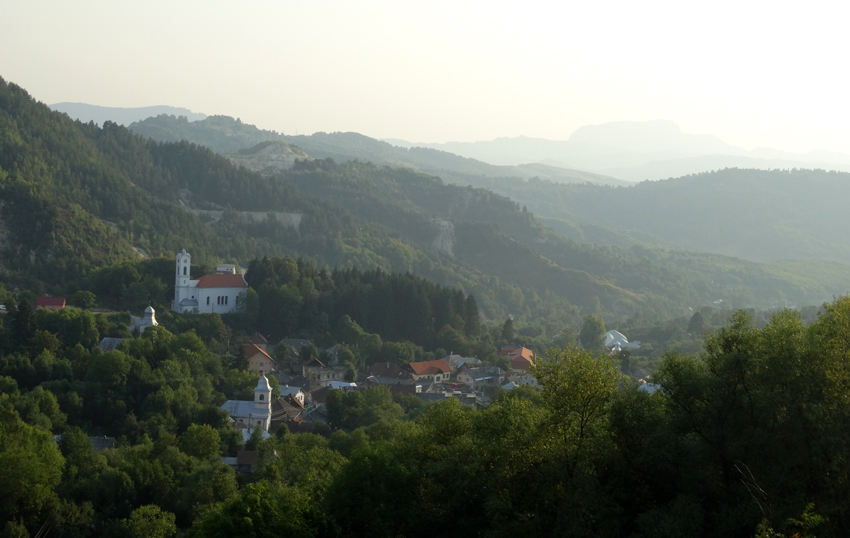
754 74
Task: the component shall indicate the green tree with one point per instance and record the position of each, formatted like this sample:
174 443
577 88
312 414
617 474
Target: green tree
592 330
508 333
83 299
200 441
32 468
697 324
150 522
577 386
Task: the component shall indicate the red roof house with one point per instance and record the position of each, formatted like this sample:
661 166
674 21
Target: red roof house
51 303
438 370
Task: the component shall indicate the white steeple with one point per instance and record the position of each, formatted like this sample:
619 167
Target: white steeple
263 394
184 262
183 269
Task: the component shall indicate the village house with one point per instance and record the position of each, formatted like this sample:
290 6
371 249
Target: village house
50 303
520 377
521 358
209 294
320 375
257 339
295 392
438 370
285 411
387 370
258 360
481 376
456 361
618 339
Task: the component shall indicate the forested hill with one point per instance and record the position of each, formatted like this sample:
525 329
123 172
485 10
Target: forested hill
226 135
759 215
104 191
101 195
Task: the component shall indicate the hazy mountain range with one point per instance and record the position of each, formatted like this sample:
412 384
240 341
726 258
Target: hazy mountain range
635 151
122 116
614 153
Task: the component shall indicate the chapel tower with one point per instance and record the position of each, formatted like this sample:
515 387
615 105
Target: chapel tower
263 394
181 277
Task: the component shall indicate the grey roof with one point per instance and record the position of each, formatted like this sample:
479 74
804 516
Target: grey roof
242 409
109 344
483 371
101 443
284 390
189 302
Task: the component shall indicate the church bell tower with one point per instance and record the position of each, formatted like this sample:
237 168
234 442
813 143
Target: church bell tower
181 278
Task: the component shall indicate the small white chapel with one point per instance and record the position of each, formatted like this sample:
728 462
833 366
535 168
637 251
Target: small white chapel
210 293
256 413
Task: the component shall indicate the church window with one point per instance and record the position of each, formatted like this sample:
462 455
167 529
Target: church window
184 270
262 396
227 299
208 300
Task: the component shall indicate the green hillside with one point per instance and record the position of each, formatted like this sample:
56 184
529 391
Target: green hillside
758 215
130 197
225 135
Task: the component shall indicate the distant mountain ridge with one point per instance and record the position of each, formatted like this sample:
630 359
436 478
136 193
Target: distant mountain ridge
635 151
225 135
122 116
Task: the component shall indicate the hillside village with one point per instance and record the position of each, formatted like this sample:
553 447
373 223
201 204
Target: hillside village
310 347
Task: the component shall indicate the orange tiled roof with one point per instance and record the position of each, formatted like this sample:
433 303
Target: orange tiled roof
517 352
253 349
222 281
430 367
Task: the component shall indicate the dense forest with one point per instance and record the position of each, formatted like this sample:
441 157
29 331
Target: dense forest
744 438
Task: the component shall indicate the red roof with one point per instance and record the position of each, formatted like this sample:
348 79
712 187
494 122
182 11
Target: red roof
253 349
431 367
50 301
222 281
517 352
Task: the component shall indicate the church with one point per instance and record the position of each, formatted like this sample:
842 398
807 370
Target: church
252 414
210 293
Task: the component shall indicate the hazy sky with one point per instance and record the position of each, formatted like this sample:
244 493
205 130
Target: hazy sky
753 73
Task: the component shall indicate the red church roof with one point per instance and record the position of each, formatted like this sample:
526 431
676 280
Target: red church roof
222 281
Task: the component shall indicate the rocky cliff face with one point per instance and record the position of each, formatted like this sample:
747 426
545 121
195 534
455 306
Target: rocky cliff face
268 157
